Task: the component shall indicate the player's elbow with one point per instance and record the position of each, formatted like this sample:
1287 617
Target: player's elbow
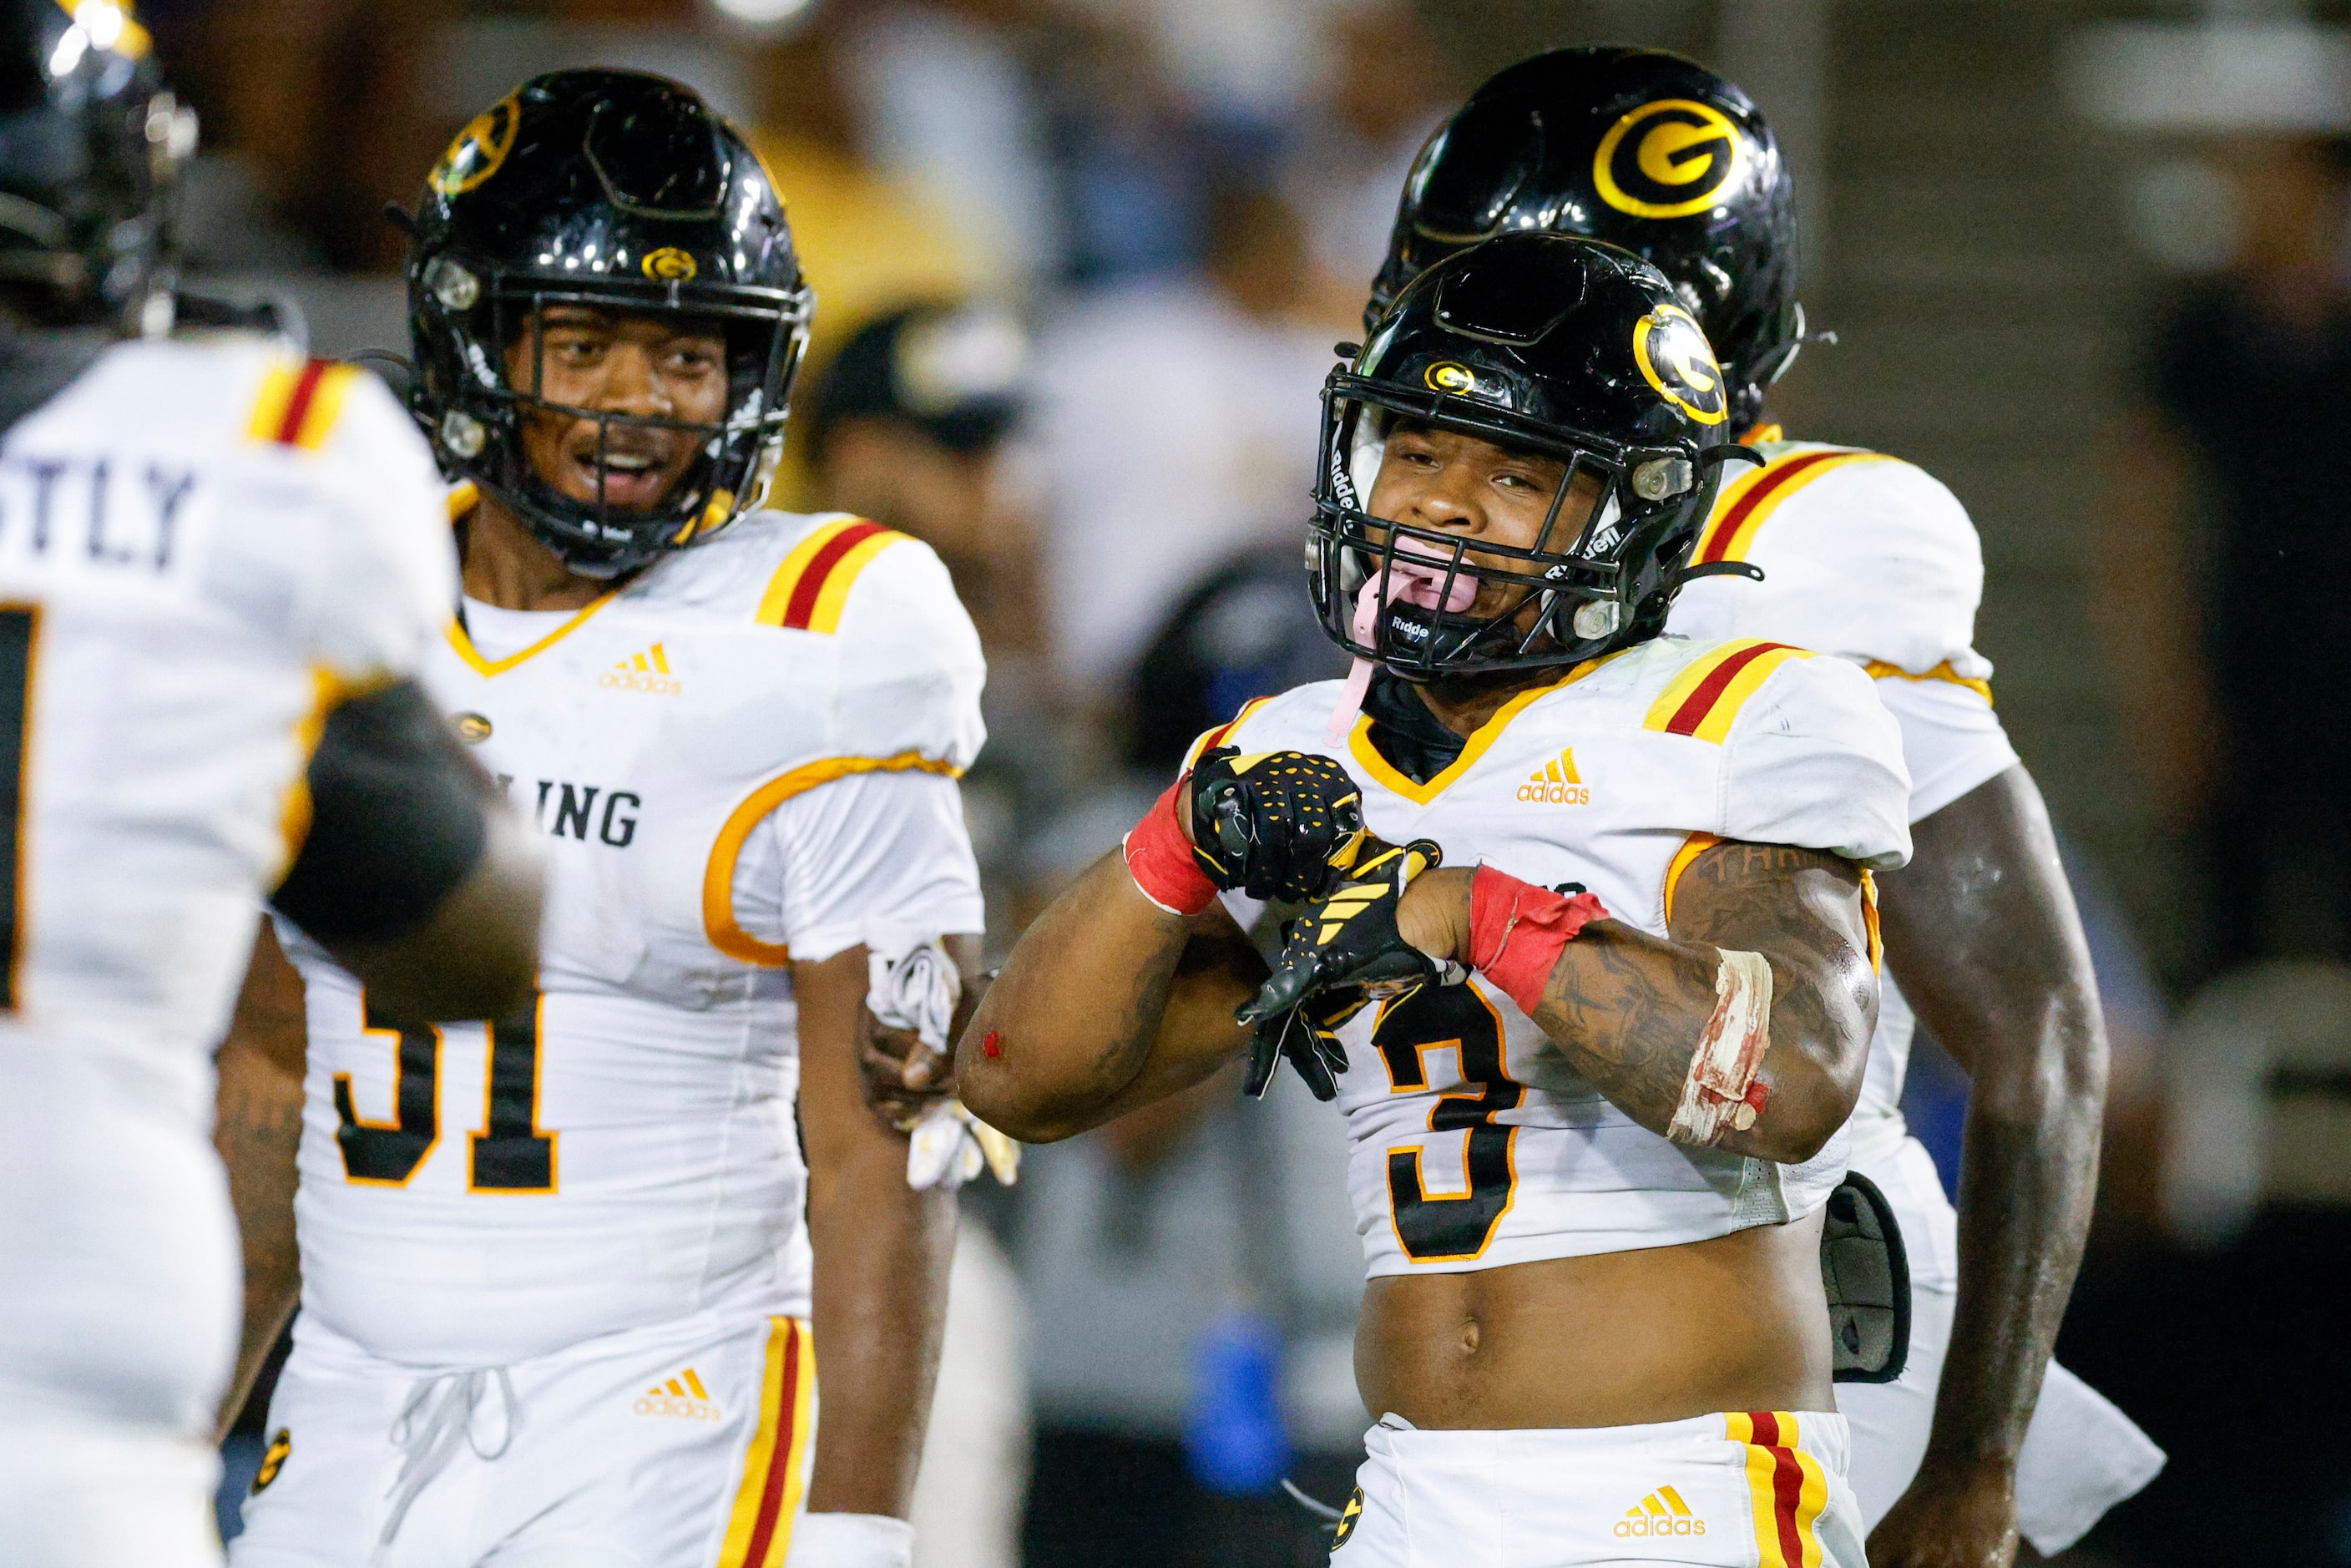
996 1097
475 955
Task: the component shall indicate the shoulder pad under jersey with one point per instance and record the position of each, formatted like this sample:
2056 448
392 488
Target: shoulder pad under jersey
1862 554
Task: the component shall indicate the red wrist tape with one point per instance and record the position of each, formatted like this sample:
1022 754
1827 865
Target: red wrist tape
1517 931
1159 858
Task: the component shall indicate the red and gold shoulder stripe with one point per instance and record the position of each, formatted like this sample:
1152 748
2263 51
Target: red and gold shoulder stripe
299 403
1705 699
810 590
1747 502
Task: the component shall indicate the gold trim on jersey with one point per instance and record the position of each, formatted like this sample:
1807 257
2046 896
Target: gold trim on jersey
767 1501
1880 670
1211 738
464 645
1869 921
1692 847
299 404
1705 699
718 922
1360 741
1747 502
293 813
810 589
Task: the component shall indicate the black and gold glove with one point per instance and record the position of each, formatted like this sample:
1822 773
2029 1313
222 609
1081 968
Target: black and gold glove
1343 953
1307 1035
1282 826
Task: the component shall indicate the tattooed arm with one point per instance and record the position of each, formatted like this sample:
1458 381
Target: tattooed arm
1108 1002
1627 1009
257 1128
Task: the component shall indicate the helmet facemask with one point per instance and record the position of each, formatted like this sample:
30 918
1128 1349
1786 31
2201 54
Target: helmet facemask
478 314
1407 596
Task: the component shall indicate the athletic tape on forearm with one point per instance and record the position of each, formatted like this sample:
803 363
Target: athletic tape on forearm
1517 931
1159 858
1721 1095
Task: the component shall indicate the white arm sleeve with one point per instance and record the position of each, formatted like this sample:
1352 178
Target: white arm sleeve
873 847
1951 739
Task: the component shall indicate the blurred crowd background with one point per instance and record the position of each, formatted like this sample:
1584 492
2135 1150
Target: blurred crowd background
1080 267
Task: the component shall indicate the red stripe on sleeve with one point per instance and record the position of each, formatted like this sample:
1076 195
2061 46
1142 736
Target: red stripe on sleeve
1693 711
298 403
801 607
779 1458
1718 544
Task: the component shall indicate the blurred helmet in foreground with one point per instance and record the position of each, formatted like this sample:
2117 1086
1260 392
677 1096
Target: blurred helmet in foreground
1640 148
91 145
1541 343
623 192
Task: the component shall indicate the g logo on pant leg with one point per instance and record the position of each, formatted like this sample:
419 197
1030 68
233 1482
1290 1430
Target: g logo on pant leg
1347 1517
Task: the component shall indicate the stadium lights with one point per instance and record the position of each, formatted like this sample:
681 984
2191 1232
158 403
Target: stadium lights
760 13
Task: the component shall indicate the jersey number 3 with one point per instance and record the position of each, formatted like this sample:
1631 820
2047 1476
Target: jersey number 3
1455 1018
511 1154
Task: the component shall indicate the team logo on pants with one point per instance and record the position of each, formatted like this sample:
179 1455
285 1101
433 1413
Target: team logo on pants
1347 1517
273 1460
1662 1512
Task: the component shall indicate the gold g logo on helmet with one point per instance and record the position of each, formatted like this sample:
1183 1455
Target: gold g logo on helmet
479 149
1676 360
1445 376
1668 159
670 265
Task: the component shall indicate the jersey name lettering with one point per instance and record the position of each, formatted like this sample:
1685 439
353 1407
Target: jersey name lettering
94 512
582 812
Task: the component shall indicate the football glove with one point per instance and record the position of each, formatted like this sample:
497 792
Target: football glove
1343 952
1308 1036
1280 826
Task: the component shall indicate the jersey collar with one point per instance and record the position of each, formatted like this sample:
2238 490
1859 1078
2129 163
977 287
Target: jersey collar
1359 742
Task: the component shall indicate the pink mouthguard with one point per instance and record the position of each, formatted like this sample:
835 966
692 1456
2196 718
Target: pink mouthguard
1407 582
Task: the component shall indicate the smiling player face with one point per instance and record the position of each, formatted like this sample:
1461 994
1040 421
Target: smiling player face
659 367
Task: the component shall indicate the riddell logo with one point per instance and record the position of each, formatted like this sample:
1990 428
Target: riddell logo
681 1395
646 672
1662 1512
1557 783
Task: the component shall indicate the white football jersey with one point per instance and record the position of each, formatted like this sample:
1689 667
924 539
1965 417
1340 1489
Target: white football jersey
1473 1143
1871 558
744 756
202 545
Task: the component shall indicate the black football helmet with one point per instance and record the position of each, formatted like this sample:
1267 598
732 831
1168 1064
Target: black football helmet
90 146
623 192
1533 342
1640 148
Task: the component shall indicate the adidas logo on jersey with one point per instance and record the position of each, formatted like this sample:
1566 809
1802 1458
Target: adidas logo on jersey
1662 1512
1556 783
681 1395
647 672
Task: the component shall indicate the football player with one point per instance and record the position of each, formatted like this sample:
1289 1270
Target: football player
219 570
556 1270
1861 555
1593 985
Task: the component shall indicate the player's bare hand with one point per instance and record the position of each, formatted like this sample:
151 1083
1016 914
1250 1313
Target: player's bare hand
1951 1517
903 1076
